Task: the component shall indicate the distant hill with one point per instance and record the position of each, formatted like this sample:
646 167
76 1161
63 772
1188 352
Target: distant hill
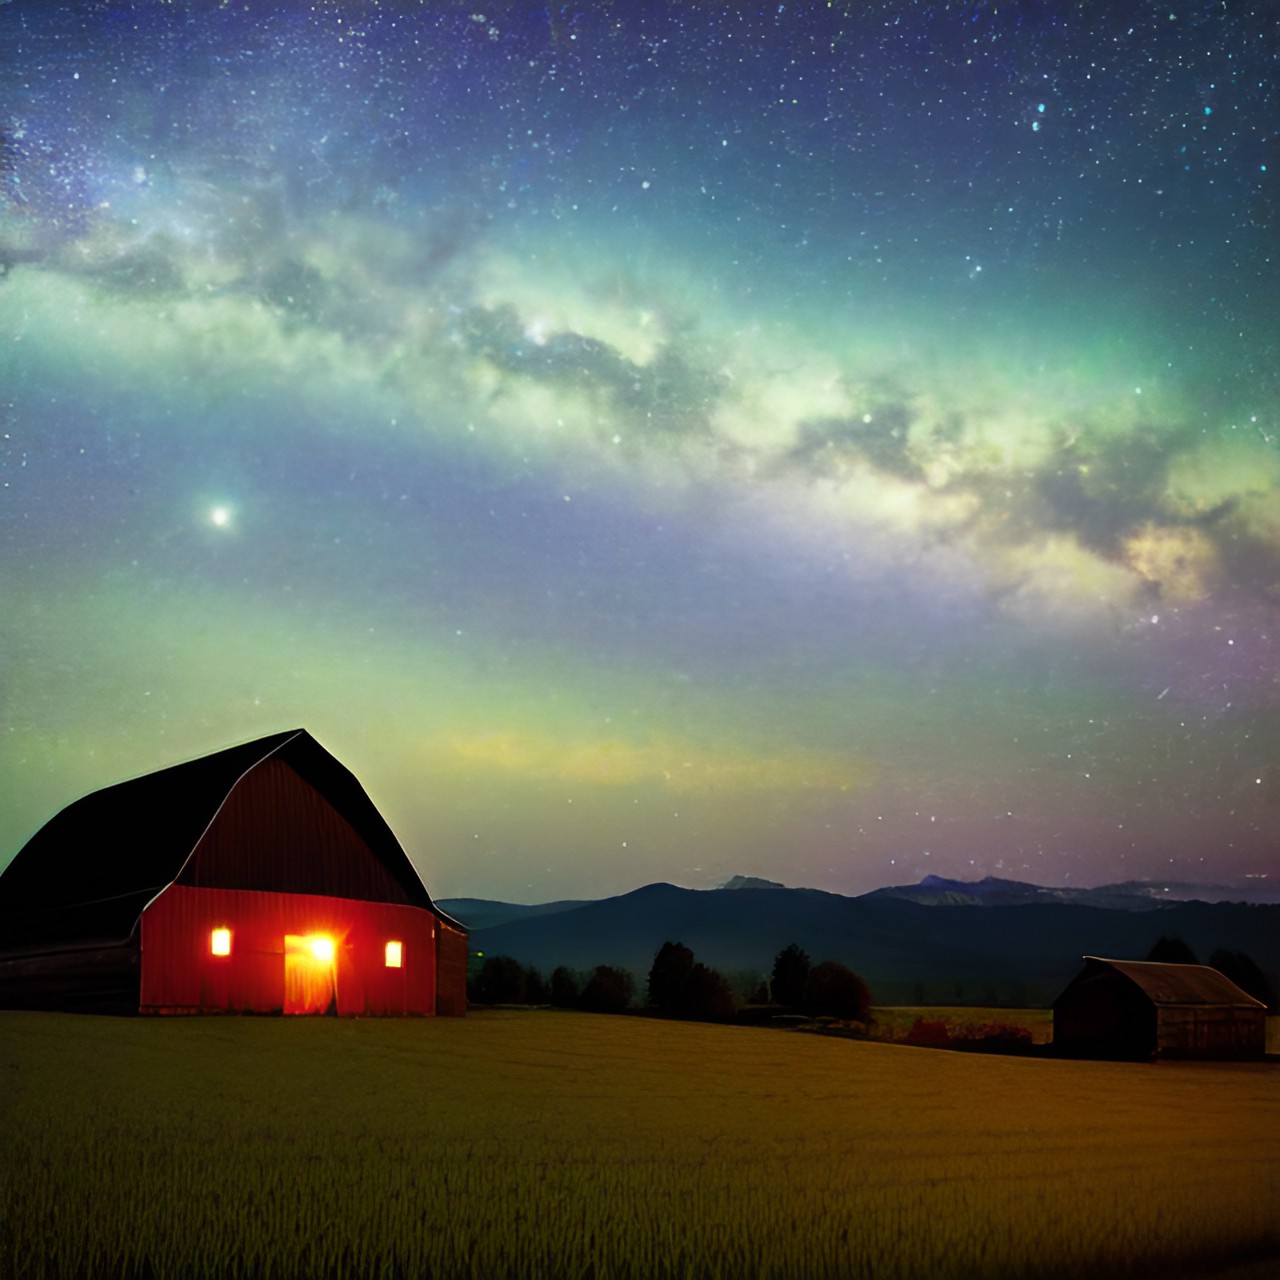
973 952
483 913
750 882
1131 895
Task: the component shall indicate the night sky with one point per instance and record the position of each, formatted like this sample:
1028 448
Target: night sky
835 443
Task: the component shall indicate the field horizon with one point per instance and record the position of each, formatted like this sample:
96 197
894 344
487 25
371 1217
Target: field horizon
515 1143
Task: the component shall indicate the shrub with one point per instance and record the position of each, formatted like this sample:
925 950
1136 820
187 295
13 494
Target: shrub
835 990
928 1031
608 990
790 976
995 1037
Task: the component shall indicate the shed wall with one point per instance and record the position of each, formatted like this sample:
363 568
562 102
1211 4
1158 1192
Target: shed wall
181 975
1210 1032
1104 1015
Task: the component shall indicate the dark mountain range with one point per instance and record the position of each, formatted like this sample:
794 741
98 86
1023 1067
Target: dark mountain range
1131 895
1020 952
482 913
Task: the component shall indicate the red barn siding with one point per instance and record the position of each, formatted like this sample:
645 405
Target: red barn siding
275 832
274 839
181 975
451 970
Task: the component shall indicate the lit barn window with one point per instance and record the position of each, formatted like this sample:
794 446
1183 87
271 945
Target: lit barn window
220 942
395 955
321 948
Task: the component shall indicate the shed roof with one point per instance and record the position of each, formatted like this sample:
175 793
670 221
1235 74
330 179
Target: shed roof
1178 984
65 886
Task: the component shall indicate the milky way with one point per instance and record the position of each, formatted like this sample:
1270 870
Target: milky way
657 442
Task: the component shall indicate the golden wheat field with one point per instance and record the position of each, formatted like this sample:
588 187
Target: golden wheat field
561 1144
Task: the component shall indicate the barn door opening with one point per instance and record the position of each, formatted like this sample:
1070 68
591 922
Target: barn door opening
310 973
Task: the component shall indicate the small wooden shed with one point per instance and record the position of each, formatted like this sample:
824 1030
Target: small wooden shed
1140 1009
259 879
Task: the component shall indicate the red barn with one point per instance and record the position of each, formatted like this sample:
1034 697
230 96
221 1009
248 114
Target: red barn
260 879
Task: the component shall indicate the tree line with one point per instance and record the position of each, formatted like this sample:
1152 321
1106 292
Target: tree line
679 986
1241 968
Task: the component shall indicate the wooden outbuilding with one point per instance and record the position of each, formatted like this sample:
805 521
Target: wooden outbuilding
259 879
1139 1010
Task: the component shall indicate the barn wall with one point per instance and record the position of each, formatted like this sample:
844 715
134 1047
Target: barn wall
92 978
276 833
451 966
181 975
1211 1031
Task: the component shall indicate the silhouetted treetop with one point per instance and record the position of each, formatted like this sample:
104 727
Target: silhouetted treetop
790 975
836 991
501 980
608 990
707 994
1244 972
1172 951
669 976
564 988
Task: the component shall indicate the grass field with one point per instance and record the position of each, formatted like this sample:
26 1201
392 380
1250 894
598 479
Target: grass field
561 1144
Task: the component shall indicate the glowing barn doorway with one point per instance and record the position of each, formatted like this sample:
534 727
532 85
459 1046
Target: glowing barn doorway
310 973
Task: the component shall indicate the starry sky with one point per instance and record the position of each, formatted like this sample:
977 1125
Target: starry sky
828 442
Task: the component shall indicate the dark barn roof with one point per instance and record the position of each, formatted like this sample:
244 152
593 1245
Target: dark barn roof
67 887
1174 985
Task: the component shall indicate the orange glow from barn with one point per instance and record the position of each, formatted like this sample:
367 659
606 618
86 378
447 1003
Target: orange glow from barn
321 948
220 942
395 955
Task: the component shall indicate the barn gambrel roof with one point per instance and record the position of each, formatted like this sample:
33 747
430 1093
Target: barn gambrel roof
90 870
1175 985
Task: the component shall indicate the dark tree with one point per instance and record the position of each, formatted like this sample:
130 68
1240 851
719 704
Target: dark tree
669 977
1244 972
535 989
790 976
707 994
564 988
608 990
1172 951
835 990
500 981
